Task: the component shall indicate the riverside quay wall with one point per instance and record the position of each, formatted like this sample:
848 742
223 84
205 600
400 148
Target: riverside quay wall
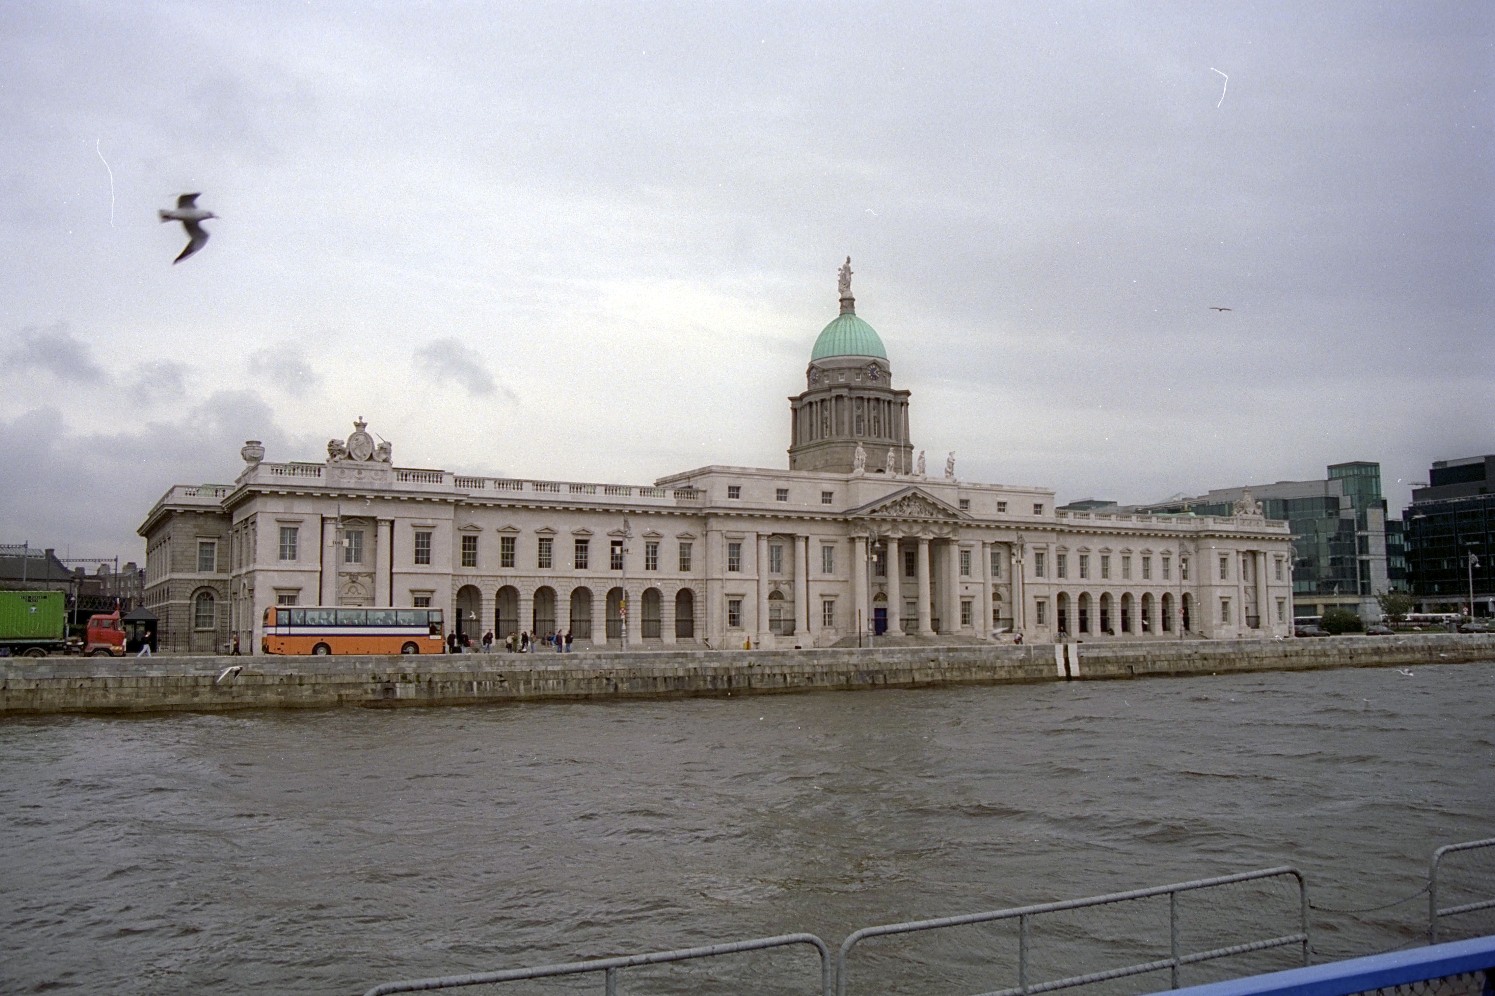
38 686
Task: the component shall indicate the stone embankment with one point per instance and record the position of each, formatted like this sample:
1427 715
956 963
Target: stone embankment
35 686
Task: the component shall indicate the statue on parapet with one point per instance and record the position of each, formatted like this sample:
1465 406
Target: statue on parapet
844 283
950 466
919 467
859 462
337 449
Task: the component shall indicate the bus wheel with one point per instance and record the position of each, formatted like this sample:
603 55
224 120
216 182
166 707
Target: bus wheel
36 652
321 650
410 648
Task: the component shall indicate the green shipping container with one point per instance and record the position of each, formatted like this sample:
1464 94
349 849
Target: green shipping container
33 615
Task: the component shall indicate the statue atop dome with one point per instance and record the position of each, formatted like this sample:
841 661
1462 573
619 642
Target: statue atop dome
844 285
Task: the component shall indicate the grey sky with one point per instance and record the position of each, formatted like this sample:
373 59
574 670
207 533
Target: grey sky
596 241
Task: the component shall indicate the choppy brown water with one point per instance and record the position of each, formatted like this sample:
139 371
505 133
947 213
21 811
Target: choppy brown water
327 852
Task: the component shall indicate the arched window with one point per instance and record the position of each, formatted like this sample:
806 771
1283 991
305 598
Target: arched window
204 611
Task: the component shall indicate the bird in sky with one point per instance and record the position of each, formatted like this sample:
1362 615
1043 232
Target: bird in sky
1211 307
190 215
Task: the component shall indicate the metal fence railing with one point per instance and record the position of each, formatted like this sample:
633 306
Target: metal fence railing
1452 879
1172 963
610 968
1485 890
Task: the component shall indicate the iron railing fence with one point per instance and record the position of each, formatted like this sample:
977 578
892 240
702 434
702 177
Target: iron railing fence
611 967
1176 958
1477 886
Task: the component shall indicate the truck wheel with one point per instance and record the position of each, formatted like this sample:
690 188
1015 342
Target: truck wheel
410 648
101 653
321 650
36 652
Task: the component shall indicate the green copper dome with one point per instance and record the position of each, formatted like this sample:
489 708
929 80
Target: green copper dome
848 335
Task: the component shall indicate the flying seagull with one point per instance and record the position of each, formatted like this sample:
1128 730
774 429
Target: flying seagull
1211 307
229 672
189 214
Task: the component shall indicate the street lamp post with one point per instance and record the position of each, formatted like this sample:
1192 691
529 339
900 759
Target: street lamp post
1473 563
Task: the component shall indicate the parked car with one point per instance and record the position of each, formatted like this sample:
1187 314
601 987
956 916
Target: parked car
1309 630
1377 630
1474 627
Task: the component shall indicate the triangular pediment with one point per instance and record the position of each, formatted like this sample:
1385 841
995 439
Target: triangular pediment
909 503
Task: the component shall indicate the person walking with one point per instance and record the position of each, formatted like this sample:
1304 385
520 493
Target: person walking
488 642
451 643
566 647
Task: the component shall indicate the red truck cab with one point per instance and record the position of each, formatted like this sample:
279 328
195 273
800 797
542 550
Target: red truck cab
104 637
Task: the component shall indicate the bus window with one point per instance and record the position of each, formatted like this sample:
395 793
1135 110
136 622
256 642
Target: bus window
411 617
282 617
352 617
298 617
321 617
382 617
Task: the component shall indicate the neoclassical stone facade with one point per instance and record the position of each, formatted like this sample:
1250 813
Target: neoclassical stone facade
856 542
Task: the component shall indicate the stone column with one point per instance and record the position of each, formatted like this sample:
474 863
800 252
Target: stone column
666 617
1262 602
982 618
1017 562
762 630
953 598
861 609
802 586
922 607
895 587
384 531
331 565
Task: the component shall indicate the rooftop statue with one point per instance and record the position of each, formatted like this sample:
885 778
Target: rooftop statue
845 282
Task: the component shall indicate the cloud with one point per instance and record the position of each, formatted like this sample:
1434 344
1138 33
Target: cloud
54 350
286 368
449 362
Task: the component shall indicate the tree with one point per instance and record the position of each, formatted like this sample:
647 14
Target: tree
1395 605
1337 621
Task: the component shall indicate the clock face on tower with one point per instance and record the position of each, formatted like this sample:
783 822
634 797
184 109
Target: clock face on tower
873 371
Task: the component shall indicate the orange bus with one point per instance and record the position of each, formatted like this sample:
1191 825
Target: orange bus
325 629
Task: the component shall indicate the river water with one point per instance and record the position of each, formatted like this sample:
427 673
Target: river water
327 852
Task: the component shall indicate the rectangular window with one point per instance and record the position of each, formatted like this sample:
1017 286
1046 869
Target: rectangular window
1001 506
965 563
1146 568
615 555
1038 508
1084 566
470 550
828 612
1183 568
684 556
827 558
423 546
1224 567
734 556
1061 565
996 563
775 558
287 597
580 554
545 553
910 563
965 612
651 555
734 491
1167 568
353 546
1278 568
965 504
734 613
289 537
1105 566
1225 611
204 612
1282 610
781 494
827 497
1041 611
207 556
1039 566
1126 567
421 601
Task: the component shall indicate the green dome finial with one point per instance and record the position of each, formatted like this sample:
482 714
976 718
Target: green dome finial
847 335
